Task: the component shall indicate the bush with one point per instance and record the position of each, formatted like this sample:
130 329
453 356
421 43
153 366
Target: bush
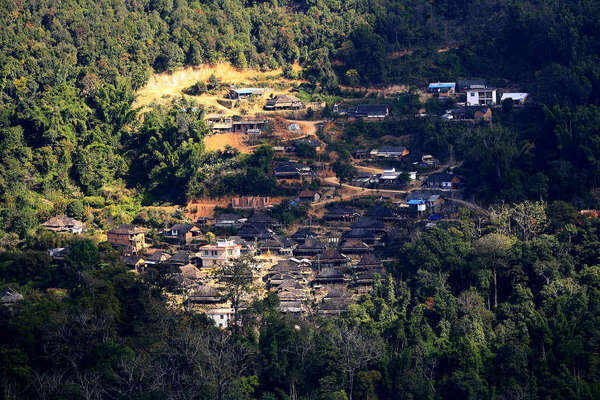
343 170
196 89
75 209
94 201
288 72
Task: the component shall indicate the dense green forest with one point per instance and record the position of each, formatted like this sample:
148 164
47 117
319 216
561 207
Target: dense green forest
69 70
508 310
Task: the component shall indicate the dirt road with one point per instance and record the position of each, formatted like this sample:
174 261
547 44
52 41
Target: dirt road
373 170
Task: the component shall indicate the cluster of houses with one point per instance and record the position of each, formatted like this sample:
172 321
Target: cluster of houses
283 102
382 153
254 126
479 97
277 102
396 177
220 123
390 178
316 268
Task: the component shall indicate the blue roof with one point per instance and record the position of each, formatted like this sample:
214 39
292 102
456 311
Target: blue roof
434 217
246 90
438 85
415 202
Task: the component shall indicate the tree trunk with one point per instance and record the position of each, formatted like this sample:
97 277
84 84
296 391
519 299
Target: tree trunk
351 383
293 394
495 289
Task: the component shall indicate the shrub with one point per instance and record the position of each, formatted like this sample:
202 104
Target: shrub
75 209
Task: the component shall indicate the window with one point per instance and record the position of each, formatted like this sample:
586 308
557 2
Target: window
222 316
205 252
472 94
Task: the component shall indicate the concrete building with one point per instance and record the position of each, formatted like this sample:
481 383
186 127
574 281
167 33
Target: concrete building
481 97
218 254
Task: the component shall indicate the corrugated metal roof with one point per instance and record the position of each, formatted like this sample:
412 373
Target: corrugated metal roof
438 85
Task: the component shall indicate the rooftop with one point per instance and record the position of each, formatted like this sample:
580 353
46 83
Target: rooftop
437 85
62 221
126 229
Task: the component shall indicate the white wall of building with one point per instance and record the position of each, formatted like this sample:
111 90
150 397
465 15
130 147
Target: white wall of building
481 97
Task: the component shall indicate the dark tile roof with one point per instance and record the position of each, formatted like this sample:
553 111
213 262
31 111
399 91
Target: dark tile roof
329 274
353 245
332 255
440 177
303 233
287 242
181 228
205 294
467 83
380 212
371 109
340 211
368 223
227 217
288 167
337 294
311 243
131 260
335 302
255 231
368 260
291 284
365 277
189 271
270 244
62 221
158 256
262 218
358 233
127 229
283 266
283 98
181 257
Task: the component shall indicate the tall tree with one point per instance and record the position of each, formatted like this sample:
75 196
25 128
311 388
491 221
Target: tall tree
237 278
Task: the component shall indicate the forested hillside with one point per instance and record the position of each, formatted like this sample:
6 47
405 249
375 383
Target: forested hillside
70 68
506 311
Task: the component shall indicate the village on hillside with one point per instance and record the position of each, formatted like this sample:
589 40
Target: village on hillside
340 248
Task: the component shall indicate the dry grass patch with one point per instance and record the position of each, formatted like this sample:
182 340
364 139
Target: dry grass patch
162 88
221 140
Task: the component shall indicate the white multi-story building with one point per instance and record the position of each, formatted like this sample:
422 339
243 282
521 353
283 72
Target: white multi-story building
217 254
222 316
481 97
